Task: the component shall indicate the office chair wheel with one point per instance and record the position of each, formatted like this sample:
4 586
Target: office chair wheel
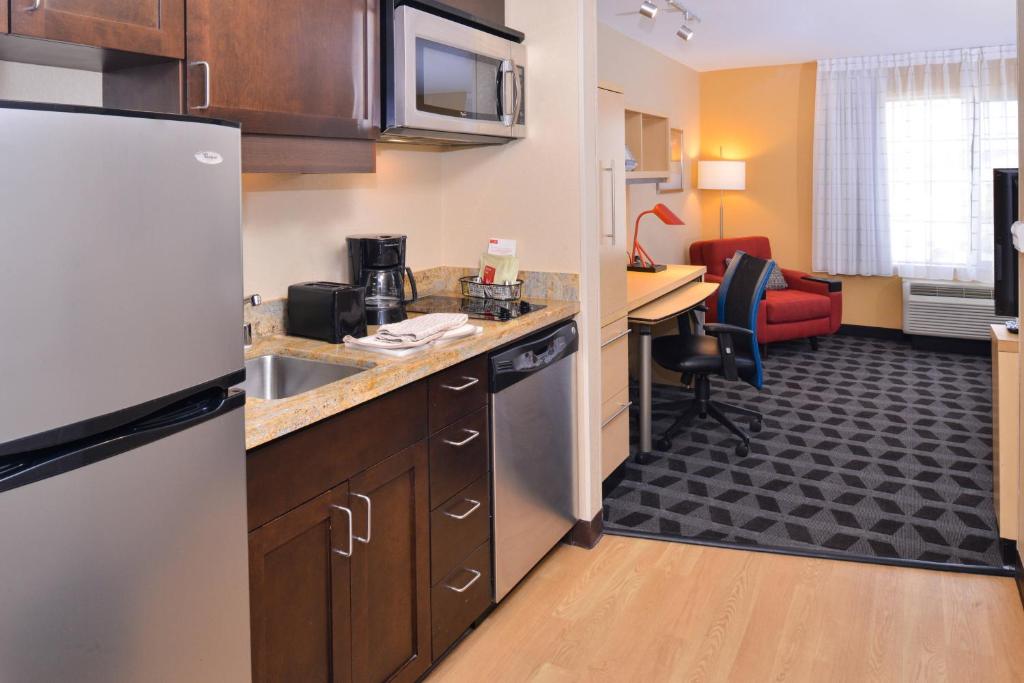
756 425
742 449
663 444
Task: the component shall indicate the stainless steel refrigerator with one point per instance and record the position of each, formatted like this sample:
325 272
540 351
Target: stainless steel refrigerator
123 552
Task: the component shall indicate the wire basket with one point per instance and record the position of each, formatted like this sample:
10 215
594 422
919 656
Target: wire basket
472 287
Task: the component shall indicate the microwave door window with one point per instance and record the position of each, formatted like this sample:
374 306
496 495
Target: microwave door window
454 82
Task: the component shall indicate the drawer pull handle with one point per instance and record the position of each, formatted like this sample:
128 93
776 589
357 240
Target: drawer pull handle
476 577
34 6
472 382
348 514
475 504
623 408
616 338
369 517
459 444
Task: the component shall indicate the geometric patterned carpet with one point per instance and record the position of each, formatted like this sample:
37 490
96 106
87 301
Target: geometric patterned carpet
870 451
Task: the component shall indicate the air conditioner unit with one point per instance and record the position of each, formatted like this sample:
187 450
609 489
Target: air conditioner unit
961 310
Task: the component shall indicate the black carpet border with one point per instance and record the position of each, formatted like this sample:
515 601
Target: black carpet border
1004 571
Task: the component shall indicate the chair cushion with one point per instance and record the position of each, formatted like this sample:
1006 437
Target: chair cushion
776 280
693 353
793 305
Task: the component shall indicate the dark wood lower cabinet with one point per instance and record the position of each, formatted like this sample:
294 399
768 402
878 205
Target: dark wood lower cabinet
369 541
299 590
391 571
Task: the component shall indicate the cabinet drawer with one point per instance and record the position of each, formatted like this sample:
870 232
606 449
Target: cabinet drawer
300 466
458 526
614 432
458 456
457 391
614 359
460 598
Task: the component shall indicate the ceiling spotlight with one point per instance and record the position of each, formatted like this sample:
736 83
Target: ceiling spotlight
648 9
685 32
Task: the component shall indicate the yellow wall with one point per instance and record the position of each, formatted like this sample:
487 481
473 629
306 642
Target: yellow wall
765 115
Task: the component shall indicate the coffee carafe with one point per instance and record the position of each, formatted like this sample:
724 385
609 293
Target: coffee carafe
377 262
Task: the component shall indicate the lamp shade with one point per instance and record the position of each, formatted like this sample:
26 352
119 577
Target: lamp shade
722 175
666 215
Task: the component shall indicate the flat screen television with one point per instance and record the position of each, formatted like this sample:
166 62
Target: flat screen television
1004 214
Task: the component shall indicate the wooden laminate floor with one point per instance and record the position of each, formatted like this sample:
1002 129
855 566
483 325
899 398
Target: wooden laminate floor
639 610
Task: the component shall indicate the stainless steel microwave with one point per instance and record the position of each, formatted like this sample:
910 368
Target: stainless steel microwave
453 83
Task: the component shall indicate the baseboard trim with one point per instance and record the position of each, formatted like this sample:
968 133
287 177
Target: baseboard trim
969 347
586 534
871 332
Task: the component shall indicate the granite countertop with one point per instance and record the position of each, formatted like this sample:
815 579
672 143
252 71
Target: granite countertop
268 420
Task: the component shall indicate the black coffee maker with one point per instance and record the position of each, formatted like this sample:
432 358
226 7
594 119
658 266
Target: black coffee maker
377 262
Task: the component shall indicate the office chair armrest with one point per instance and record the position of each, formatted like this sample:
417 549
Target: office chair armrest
722 328
726 347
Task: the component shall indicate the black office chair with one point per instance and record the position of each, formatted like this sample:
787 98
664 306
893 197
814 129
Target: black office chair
731 352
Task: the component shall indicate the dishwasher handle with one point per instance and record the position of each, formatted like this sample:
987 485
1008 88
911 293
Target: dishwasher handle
531 355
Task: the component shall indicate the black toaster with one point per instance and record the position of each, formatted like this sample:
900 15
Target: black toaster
328 311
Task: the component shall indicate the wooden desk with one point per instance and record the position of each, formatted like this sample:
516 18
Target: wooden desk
653 298
1005 432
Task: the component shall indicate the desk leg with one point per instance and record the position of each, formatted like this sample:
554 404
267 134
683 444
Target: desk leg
645 391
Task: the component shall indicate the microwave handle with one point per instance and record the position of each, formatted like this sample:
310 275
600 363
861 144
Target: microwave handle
517 101
508 115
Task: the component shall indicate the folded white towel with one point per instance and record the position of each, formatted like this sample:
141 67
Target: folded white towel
422 328
373 343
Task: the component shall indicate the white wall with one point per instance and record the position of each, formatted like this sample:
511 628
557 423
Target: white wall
654 83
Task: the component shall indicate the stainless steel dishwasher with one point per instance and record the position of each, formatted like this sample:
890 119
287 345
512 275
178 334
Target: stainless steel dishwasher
533 449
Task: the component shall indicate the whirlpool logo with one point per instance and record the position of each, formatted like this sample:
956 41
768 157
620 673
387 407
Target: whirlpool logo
209 158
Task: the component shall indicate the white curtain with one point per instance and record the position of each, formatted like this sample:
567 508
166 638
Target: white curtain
943 121
851 233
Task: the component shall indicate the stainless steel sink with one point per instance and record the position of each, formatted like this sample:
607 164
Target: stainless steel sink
272 377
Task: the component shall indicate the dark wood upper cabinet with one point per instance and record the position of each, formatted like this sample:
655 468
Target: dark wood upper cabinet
151 27
299 594
391 572
305 68
4 26
489 10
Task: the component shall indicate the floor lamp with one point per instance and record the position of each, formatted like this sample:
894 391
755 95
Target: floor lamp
721 175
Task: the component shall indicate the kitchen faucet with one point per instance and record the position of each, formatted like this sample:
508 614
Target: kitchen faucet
253 300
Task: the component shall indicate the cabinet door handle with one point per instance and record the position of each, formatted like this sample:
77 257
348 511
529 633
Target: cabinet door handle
34 6
616 338
475 504
476 577
369 517
615 206
206 83
348 514
471 382
473 434
623 408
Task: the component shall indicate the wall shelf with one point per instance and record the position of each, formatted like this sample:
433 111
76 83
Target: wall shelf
648 138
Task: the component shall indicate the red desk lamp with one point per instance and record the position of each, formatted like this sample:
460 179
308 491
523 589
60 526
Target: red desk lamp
639 260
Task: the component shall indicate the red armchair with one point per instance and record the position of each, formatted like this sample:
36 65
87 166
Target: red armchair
811 307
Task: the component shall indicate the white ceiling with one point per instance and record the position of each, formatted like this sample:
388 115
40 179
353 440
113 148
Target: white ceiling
740 33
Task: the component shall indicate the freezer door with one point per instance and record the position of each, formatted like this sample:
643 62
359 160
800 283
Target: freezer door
120 262
133 568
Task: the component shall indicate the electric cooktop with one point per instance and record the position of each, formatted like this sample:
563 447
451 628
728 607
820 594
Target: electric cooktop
480 309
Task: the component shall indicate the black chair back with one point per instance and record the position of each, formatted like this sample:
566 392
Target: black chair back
742 289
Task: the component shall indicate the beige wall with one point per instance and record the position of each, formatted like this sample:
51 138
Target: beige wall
654 83
294 226
50 84
765 115
530 189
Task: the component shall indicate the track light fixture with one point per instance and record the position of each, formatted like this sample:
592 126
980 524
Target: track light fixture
649 10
